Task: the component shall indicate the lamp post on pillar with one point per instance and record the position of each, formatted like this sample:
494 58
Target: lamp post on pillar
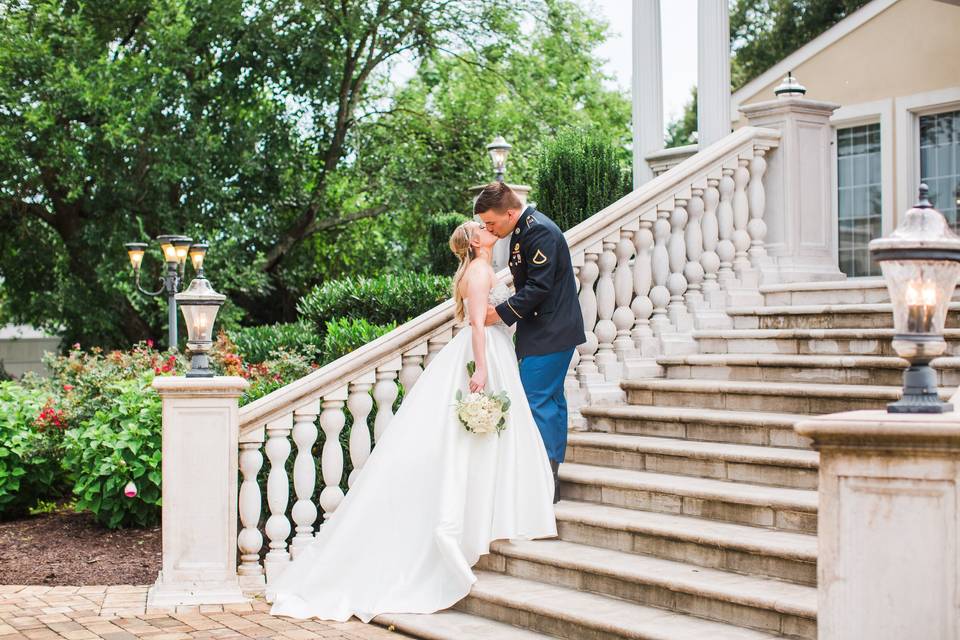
499 150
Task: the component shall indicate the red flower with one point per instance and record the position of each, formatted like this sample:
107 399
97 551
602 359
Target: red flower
68 387
156 370
150 343
76 345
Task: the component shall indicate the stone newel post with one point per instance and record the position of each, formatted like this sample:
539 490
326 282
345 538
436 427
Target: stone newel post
801 225
888 525
200 452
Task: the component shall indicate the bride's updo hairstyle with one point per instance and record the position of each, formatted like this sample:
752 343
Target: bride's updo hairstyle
460 246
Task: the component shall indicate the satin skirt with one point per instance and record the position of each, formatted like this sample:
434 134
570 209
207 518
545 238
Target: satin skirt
428 502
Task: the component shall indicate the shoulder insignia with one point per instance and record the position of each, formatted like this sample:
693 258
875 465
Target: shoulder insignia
539 258
530 221
516 247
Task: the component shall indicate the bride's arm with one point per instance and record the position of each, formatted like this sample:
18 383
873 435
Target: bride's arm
478 290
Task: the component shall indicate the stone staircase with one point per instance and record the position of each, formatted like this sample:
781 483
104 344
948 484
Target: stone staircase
691 510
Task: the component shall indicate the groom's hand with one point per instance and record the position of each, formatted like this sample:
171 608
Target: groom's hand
492 316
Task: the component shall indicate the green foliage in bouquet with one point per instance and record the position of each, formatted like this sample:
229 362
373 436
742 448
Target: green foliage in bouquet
469 413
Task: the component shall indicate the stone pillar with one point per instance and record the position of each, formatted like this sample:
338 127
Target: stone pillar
713 71
801 226
887 566
647 87
200 457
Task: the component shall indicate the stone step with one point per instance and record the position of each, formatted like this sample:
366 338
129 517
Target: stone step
821 369
863 342
757 551
794 468
746 601
855 290
829 316
577 615
454 625
737 502
793 397
711 425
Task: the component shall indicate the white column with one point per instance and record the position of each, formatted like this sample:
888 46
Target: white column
647 87
200 441
713 71
304 512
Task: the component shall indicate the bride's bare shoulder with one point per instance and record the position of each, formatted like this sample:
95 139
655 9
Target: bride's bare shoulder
477 273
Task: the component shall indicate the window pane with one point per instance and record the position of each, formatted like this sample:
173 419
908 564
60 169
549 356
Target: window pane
940 161
859 197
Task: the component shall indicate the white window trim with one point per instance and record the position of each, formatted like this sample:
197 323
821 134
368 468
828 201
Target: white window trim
908 111
878 111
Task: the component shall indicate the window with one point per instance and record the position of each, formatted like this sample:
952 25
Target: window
858 197
940 161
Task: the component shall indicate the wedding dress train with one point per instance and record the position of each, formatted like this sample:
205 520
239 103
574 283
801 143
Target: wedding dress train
429 500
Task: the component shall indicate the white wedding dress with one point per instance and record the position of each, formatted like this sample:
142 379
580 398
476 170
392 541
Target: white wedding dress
429 500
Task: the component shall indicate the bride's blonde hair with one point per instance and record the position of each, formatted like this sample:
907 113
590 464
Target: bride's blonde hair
460 246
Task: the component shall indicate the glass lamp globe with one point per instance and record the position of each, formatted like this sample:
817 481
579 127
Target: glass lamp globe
136 250
198 252
181 246
499 149
168 248
920 261
200 304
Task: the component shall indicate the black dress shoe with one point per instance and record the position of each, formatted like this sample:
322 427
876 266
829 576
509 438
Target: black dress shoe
555 466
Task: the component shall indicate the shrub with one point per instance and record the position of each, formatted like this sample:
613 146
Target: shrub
282 368
392 298
258 344
31 428
347 334
120 443
578 174
439 227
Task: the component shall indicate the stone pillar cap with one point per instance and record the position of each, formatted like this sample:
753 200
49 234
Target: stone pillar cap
876 428
222 386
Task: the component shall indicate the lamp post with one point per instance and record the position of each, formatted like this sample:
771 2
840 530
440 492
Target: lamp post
175 249
921 264
499 149
200 304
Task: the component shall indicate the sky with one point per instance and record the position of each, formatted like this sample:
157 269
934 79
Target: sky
678 23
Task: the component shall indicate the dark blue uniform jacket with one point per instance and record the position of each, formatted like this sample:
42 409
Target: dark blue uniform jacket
545 306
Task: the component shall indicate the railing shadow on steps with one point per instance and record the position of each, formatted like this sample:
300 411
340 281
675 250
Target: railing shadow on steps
664 259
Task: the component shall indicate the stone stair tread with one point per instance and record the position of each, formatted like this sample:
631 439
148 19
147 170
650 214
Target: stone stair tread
862 333
792 360
753 454
602 614
455 625
691 486
876 282
748 590
771 388
683 414
814 309
759 540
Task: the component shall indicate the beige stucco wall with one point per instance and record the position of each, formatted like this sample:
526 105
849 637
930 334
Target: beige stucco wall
911 47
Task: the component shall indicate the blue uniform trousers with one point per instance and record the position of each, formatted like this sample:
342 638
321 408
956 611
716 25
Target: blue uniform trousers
542 377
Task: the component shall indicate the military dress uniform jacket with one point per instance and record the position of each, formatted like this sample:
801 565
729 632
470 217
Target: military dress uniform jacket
545 306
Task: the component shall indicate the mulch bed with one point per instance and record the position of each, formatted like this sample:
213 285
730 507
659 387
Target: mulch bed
68 548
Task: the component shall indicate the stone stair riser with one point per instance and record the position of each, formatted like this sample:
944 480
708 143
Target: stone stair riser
777 435
656 595
872 295
807 404
711 509
755 473
826 320
704 554
817 375
807 346
554 626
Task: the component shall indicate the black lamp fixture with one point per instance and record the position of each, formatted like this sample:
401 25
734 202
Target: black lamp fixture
499 149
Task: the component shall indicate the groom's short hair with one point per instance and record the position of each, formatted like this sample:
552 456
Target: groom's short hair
496 196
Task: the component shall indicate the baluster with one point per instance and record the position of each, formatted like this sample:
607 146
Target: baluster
641 306
278 494
360 404
741 216
410 370
725 248
677 283
587 369
623 317
304 475
571 385
693 271
606 302
385 393
757 227
435 344
250 539
332 420
711 238
660 268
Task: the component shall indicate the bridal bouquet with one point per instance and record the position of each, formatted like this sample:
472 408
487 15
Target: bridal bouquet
482 412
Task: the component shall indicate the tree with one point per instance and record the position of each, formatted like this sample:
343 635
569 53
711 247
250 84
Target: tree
763 32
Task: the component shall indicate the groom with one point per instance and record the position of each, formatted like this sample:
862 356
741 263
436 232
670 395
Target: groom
545 309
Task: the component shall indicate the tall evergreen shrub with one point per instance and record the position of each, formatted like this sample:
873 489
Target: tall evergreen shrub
578 174
439 228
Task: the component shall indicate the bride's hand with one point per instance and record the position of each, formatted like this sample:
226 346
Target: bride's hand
478 381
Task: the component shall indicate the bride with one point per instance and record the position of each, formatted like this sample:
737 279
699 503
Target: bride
432 496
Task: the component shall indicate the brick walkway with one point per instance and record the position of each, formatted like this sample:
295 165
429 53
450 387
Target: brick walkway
120 613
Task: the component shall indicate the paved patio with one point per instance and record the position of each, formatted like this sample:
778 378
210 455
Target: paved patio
120 613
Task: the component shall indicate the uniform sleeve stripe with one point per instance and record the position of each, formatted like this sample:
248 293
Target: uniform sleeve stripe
514 310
